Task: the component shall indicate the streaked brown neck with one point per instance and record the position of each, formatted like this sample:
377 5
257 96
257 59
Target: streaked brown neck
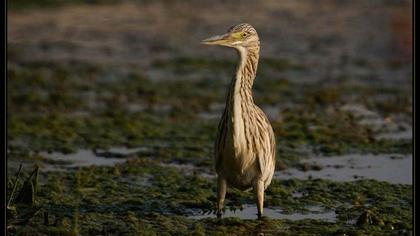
241 86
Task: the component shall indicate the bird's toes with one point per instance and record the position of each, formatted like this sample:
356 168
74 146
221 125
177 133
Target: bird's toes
262 217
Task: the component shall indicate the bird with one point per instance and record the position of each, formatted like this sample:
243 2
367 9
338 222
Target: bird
245 146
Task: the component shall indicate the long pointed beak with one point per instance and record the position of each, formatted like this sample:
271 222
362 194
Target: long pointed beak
216 40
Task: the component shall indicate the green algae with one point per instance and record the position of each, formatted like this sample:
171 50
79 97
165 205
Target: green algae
98 200
45 99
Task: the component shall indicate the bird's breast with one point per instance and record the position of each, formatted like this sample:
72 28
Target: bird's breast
239 167
238 128
238 160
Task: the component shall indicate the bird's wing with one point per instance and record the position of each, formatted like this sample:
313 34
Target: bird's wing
220 139
267 153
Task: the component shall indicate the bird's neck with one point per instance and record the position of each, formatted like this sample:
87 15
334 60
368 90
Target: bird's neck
239 104
240 92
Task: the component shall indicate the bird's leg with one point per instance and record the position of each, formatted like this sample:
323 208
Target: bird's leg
221 192
259 196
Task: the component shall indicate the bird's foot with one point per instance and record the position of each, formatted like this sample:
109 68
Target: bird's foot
219 213
261 216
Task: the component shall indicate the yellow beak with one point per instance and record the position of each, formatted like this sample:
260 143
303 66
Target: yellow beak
217 40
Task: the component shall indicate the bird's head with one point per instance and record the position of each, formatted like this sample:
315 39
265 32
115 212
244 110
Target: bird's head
242 35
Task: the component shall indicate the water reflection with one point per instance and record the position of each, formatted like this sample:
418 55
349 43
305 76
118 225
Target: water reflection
249 212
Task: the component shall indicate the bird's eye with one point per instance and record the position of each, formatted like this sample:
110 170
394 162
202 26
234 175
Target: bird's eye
244 35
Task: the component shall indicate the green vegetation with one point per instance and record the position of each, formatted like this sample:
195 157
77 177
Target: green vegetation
67 107
56 107
143 197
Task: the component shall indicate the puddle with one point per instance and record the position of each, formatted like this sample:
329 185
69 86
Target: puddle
370 118
249 212
85 157
394 128
396 169
120 152
399 135
60 162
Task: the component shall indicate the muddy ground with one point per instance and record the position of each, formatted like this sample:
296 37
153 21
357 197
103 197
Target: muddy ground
117 106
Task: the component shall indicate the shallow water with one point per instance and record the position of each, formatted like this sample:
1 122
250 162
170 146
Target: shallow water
384 126
406 135
110 157
81 158
85 157
395 169
249 212
120 152
391 168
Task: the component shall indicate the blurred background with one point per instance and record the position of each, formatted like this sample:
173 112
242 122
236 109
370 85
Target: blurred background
116 103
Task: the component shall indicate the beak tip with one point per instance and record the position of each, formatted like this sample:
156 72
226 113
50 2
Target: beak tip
205 41
215 40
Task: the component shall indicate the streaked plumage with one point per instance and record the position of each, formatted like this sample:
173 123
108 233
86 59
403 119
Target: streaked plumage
245 144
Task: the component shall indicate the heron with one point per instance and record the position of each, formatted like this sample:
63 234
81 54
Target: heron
245 147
